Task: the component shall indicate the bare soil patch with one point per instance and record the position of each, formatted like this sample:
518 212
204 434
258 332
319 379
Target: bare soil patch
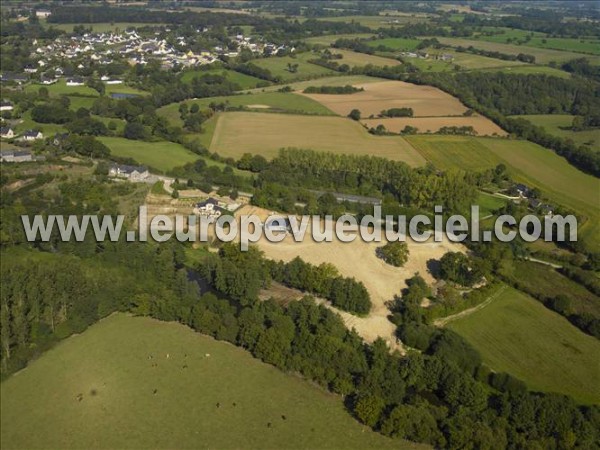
482 125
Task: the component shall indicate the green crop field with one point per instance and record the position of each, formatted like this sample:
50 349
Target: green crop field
243 80
555 124
61 88
542 55
548 282
133 382
260 101
528 163
354 59
518 335
237 133
402 44
161 155
279 66
583 45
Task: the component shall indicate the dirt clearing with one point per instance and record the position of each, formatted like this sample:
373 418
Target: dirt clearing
482 125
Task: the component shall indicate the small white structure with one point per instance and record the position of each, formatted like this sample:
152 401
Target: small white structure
42 13
6 106
209 207
131 173
15 156
7 133
75 82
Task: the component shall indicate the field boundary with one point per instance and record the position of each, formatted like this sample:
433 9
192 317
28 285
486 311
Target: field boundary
446 320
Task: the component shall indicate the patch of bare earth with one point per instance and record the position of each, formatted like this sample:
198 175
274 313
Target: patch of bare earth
482 125
358 260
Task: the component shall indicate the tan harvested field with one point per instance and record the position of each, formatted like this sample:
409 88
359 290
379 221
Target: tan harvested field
424 100
362 59
358 259
482 125
237 133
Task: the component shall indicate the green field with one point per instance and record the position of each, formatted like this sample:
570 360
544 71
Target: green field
27 123
542 55
279 66
161 155
128 403
336 80
489 203
354 59
61 88
528 163
376 22
103 27
243 80
402 44
260 101
531 69
554 124
237 133
518 335
548 282
540 40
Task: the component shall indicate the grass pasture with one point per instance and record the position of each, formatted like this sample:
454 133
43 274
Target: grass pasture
279 67
424 100
518 335
237 133
61 88
531 69
261 101
109 366
162 155
555 124
329 39
354 59
376 22
398 44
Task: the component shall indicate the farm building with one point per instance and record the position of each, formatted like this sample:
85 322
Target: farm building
131 173
6 106
209 207
15 156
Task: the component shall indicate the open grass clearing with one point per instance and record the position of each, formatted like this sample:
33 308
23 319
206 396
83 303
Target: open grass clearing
279 66
482 125
354 59
237 133
162 155
260 101
329 39
377 96
376 22
103 27
109 366
61 88
518 335
402 44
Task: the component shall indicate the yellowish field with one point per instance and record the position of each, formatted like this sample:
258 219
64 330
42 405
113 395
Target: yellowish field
237 133
482 125
424 100
362 59
358 259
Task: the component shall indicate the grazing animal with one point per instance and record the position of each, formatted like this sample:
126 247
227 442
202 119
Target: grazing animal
269 425
155 391
234 404
184 366
283 417
79 397
218 405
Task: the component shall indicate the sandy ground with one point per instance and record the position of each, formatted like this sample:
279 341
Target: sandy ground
482 125
358 259
424 100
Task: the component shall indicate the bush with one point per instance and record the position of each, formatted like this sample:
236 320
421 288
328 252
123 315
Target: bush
394 253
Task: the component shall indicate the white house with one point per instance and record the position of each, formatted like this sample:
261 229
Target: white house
7 133
76 81
15 156
33 135
6 106
209 207
132 173
42 13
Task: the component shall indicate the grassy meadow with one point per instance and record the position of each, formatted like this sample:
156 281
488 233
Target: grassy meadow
354 59
329 39
402 44
237 133
279 66
133 382
518 335
162 155
260 101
